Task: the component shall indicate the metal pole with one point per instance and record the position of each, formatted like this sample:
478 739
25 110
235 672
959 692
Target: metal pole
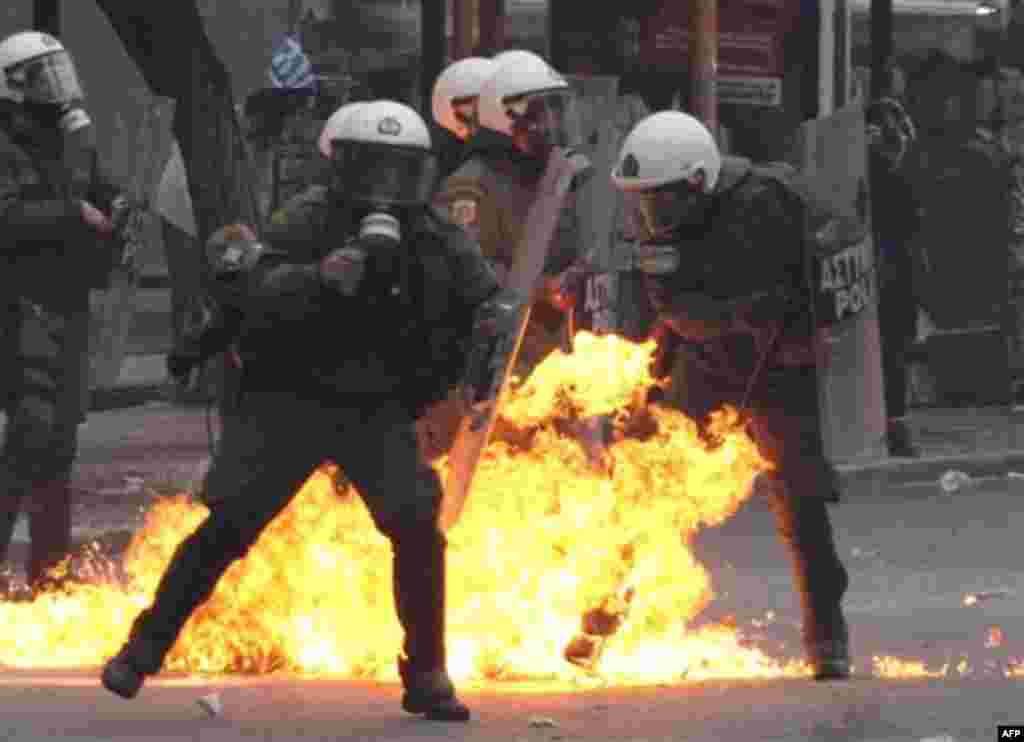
826 56
466 27
294 15
432 42
46 16
881 47
704 61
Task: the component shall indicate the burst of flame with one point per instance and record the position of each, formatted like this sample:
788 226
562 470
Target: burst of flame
544 539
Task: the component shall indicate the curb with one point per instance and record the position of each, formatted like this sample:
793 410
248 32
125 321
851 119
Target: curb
929 469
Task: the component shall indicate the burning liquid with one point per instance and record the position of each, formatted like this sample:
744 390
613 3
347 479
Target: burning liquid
547 538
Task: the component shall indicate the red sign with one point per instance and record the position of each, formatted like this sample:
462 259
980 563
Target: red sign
750 36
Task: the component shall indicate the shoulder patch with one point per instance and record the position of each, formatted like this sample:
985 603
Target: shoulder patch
463 212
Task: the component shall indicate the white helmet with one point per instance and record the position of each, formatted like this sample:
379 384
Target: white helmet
526 99
671 161
667 147
383 155
385 122
456 88
57 83
512 55
333 126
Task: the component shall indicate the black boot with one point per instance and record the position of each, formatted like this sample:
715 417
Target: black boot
197 565
899 439
430 693
419 591
821 581
126 672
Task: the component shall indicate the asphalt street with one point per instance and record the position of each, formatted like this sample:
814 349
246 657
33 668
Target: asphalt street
933 573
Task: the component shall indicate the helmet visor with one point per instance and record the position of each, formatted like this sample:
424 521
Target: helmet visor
541 121
384 174
665 209
50 78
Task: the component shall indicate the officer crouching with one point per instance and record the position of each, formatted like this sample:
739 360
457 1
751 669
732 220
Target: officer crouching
723 256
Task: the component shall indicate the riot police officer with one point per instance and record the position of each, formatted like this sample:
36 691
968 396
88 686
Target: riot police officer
454 104
723 257
58 239
354 317
526 110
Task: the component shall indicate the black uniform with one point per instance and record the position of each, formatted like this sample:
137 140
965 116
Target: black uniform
49 260
737 306
330 377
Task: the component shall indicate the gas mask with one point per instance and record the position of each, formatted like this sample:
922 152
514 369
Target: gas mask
543 121
380 232
382 181
52 93
666 210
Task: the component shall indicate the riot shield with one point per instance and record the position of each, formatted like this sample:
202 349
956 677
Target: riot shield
490 367
842 271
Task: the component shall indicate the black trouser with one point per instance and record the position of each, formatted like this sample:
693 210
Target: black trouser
785 423
44 408
897 325
268 449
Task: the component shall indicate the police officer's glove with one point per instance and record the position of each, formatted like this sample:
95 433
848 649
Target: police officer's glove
201 337
496 315
566 287
233 250
493 323
343 269
578 164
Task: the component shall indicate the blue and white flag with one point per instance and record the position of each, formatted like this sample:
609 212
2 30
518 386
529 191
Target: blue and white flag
290 68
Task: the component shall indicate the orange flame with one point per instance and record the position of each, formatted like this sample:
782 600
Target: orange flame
545 539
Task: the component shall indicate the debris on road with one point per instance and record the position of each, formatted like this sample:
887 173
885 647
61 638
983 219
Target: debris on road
940 738
954 481
1015 475
858 553
211 704
542 722
974 598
